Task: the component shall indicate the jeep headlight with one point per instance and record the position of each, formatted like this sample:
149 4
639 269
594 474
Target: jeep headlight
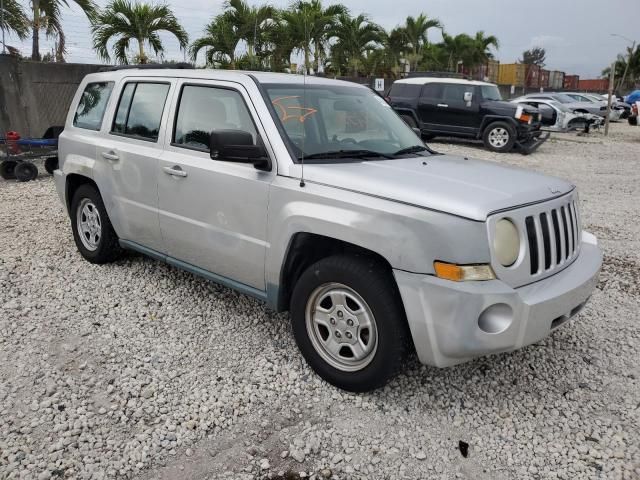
506 242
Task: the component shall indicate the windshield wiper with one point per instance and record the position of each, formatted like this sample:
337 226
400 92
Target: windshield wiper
345 154
412 149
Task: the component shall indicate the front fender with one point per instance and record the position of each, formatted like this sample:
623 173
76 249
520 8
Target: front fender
409 238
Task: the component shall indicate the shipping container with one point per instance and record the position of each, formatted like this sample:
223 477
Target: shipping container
600 85
544 78
571 82
556 80
512 74
485 73
532 73
493 68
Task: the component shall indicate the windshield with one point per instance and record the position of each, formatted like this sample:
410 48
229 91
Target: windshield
322 119
490 92
562 98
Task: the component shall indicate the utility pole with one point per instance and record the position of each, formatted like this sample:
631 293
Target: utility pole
611 79
4 49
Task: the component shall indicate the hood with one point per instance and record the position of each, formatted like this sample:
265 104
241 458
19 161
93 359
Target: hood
504 106
467 188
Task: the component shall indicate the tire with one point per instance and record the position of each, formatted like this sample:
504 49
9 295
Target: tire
409 120
26 171
7 169
97 242
499 137
51 164
365 287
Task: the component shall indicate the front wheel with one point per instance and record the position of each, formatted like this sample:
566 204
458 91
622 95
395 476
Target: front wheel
499 137
349 323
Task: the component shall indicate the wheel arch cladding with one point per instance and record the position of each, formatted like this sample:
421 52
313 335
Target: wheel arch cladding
74 181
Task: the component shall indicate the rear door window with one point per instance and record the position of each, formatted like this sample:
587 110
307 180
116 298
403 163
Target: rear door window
405 90
432 91
92 105
140 110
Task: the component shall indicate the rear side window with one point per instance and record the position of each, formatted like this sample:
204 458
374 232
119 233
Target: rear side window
140 110
432 90
405 90
92 105
203 109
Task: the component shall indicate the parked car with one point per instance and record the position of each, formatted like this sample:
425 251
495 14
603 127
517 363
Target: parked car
616 111
313 196
558 118
571 103
464 108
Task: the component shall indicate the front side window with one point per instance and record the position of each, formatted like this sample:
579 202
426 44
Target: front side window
92 105
453 92
203 109
338 118
140 110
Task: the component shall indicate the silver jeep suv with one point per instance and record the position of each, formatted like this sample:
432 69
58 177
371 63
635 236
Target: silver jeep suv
314 196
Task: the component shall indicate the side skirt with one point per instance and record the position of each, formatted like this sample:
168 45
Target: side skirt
227 282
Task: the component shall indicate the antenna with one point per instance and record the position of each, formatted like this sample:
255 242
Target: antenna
304 100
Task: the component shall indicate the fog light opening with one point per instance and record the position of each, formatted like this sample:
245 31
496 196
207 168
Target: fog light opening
496 318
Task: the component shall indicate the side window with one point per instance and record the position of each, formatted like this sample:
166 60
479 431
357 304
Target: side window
455 93
432 90
92 105
140 110
203 109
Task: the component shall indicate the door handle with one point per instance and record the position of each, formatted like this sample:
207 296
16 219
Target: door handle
110 156
443 105
176 171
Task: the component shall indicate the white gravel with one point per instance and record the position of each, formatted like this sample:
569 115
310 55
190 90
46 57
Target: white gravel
138 370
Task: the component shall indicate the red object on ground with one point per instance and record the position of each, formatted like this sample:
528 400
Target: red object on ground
12 142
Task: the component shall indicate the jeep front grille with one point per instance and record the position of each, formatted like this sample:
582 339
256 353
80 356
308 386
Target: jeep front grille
553 237
550 236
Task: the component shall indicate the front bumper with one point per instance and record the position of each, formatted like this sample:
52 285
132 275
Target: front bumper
444 316
530 138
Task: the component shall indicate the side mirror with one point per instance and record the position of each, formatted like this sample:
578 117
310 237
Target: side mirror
237 146
468 96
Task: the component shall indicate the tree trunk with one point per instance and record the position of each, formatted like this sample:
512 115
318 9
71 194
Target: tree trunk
141 57
35 45
307 65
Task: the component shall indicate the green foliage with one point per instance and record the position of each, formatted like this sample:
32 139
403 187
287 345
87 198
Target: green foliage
15 19
535 56
123 21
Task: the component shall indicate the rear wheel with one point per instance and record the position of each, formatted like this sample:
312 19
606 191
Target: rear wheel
349 323
50 164
95 238
26 171
499 137
7 169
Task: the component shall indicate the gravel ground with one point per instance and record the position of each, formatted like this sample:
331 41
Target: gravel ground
138 370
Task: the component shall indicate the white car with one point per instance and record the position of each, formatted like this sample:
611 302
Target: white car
558 118
616 111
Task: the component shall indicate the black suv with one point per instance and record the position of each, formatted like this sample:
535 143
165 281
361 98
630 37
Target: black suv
454 107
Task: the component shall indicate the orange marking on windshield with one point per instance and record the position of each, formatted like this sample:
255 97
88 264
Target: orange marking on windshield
285 109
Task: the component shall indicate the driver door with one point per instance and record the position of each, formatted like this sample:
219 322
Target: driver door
213 213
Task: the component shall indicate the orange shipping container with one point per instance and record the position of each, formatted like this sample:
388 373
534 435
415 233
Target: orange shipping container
544 78
571 82
532 76
512 74
593 85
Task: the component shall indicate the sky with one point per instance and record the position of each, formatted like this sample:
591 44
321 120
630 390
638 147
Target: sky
575 33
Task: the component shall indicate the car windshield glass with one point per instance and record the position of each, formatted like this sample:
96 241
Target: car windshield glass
562 98
334 118
490 92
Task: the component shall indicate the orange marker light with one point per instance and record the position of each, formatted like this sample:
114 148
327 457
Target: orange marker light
461 273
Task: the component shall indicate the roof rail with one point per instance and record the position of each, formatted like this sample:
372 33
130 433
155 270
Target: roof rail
146 66
438 75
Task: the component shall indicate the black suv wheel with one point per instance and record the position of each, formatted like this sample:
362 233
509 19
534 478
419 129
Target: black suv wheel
499 137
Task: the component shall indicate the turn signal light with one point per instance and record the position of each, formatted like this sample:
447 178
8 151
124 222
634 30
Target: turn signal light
462 273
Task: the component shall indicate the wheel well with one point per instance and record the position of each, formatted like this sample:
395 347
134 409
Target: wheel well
307 248
73 183
580 111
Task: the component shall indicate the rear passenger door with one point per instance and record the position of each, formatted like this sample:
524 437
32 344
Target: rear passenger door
127 159
213 213
429 106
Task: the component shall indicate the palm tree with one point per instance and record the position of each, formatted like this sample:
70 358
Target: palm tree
14 20
251 24
483 45
126 21
47 16
354 36
221 40
416 30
